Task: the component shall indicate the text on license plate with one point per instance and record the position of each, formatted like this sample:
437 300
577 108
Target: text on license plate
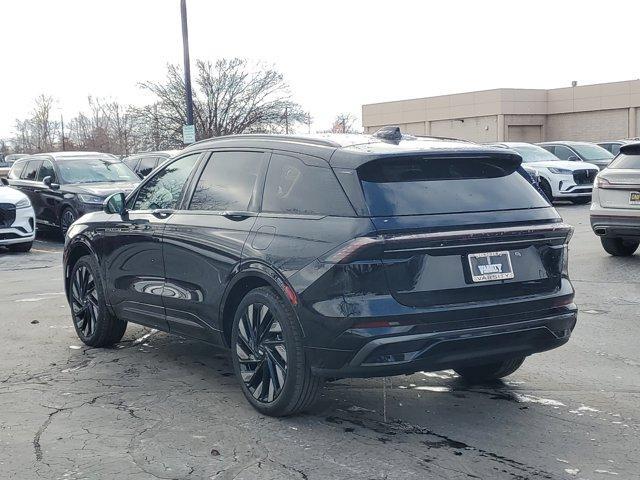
634 198
489 266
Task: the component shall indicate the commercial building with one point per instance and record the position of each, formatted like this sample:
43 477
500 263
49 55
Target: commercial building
603 111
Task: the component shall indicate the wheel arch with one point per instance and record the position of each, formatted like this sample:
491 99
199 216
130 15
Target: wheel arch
78 249
247 278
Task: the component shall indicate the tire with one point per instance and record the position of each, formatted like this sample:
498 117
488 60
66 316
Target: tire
580 200
546 188
267 348
619 247
20 247
490 371
67 217
93 322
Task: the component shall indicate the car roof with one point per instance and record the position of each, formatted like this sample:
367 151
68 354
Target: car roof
347 150
566 142
58 156
157 153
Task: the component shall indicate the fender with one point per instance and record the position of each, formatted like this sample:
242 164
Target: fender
262 270
72 244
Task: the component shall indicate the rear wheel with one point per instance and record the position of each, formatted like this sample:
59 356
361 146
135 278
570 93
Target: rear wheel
490 371
93 322
269 357
20 247
580 200
619 247
546 188
67 217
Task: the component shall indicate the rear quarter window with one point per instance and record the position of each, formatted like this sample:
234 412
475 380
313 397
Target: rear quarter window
428 185
16 170
296 188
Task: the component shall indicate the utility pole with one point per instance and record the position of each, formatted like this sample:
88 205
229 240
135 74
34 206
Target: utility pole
189 131
62 128
286 120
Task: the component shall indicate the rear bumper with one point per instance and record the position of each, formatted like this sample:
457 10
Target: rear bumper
408 353
615 223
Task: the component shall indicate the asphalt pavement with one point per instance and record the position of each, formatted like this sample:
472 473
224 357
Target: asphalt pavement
158 406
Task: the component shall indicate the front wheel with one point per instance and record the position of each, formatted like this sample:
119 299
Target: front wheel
268 355
490 371
67 217
619 247
93 322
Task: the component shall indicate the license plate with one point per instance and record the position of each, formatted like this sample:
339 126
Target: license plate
634 198
489 266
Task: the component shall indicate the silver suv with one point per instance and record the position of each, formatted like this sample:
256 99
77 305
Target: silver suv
615 211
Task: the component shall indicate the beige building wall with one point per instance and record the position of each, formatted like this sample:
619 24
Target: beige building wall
587 112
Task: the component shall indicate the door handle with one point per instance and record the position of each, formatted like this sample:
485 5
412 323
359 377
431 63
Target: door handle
237 215
162 212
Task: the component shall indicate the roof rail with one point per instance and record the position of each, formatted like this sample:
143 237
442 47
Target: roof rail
268 136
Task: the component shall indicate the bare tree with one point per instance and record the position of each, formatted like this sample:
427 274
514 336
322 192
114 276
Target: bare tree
231 96
344 123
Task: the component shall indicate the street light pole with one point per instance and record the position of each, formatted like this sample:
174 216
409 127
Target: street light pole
62 128
187 65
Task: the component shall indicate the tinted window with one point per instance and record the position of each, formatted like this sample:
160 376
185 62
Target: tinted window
147 164
563 153
228 181
46 170
31 170
626 161
16 170
163 189
423 185
533 153
592 152
614 148
296 188
131 162
94 170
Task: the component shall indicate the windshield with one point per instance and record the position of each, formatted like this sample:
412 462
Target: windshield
626 161
533 153
592 152
95 171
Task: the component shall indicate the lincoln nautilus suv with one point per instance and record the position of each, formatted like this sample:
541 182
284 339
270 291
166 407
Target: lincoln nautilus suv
331 256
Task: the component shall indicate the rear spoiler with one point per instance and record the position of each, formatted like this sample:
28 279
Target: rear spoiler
630 148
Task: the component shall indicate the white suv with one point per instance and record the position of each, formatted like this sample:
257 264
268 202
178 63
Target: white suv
559 179
17 220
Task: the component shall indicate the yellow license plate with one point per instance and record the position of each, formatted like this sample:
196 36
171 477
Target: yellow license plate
634 198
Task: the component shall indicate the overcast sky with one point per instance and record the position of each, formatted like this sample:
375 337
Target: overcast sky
336 55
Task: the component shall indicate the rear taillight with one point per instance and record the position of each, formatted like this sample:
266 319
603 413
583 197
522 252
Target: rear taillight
565 260
351 250
602 182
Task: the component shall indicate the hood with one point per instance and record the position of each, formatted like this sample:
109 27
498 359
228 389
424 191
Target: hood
101 189
10 195
564 164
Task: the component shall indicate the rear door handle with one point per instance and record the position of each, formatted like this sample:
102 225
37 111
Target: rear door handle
237 215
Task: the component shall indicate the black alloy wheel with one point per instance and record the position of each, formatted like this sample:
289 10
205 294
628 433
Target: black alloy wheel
66 219
261 352
84 301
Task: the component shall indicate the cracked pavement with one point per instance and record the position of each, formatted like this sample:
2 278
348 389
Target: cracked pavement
170 408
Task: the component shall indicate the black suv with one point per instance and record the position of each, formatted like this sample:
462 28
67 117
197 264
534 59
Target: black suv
330 256
63 186
144 163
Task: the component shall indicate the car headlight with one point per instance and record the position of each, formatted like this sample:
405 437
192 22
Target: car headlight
560 171
24 203
93 199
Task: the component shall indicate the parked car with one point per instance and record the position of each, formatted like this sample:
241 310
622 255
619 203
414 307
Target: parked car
579 151
559 179
4 168
17 220
615 210
613 146
144 163
330 256
64 186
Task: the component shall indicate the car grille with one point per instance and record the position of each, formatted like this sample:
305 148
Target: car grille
584 177
7 214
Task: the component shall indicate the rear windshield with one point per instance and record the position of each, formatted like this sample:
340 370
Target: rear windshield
427 185
626 161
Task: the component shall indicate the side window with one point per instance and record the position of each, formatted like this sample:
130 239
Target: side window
46 170
31 170
614 148
131 162
563 153
228 181
163 189
147 164
16 170
295 188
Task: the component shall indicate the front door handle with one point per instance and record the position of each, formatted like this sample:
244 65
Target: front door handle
237 215
162 212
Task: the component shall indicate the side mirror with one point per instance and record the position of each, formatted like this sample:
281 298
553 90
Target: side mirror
573 158
114 204
48 181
